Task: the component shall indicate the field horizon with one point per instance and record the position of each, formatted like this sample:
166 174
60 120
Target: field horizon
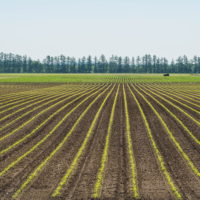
115 77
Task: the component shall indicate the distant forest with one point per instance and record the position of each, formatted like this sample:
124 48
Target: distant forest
11 63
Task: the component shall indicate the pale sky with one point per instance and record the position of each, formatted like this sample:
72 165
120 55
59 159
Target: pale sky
81 27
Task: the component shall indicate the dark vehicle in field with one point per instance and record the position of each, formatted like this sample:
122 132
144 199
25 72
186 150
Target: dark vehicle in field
166 74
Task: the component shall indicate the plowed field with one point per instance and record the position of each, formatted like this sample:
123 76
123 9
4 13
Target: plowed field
100 141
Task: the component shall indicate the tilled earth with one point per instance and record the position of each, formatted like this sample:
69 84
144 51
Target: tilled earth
59 141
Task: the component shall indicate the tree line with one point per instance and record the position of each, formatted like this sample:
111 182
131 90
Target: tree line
11 63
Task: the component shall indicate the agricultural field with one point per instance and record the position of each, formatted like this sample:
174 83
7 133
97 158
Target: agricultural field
99 137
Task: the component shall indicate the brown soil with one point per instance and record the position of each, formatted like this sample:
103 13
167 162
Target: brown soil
152 184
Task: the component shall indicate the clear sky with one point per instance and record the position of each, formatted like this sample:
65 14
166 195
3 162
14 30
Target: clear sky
81 27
